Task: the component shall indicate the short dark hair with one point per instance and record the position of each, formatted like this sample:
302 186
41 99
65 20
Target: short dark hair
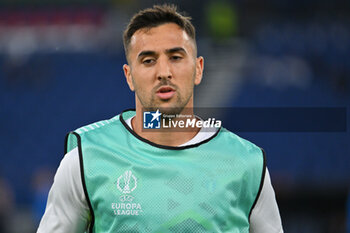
156 16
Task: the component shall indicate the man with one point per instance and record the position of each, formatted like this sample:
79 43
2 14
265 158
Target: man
118 177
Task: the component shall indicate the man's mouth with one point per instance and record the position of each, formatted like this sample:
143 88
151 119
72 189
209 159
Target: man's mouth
165 92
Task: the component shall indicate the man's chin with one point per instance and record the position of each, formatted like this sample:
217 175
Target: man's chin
171 110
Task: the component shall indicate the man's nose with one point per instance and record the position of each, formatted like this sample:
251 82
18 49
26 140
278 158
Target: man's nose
163 69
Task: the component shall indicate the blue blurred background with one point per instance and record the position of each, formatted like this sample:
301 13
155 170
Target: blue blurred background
61 68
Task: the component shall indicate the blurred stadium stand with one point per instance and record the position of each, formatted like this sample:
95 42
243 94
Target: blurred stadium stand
61 68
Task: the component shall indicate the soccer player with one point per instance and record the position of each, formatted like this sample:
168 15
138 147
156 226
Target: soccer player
118 177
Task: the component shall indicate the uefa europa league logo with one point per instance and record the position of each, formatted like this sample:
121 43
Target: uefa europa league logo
127 182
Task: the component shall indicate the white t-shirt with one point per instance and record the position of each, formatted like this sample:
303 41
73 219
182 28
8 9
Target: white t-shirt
67 208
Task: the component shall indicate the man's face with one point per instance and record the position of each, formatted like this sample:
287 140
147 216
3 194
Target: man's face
163 68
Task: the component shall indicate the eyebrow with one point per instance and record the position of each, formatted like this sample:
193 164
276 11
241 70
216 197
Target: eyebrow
175 50
146 53
152 53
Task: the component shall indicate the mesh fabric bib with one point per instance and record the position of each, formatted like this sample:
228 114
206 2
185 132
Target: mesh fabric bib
136 186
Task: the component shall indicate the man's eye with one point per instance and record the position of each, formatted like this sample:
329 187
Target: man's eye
148 61
175 58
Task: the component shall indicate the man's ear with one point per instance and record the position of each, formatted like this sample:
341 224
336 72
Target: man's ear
127 74
199 70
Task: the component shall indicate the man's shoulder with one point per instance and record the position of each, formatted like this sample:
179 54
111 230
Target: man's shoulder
100 132
238 142
99 126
